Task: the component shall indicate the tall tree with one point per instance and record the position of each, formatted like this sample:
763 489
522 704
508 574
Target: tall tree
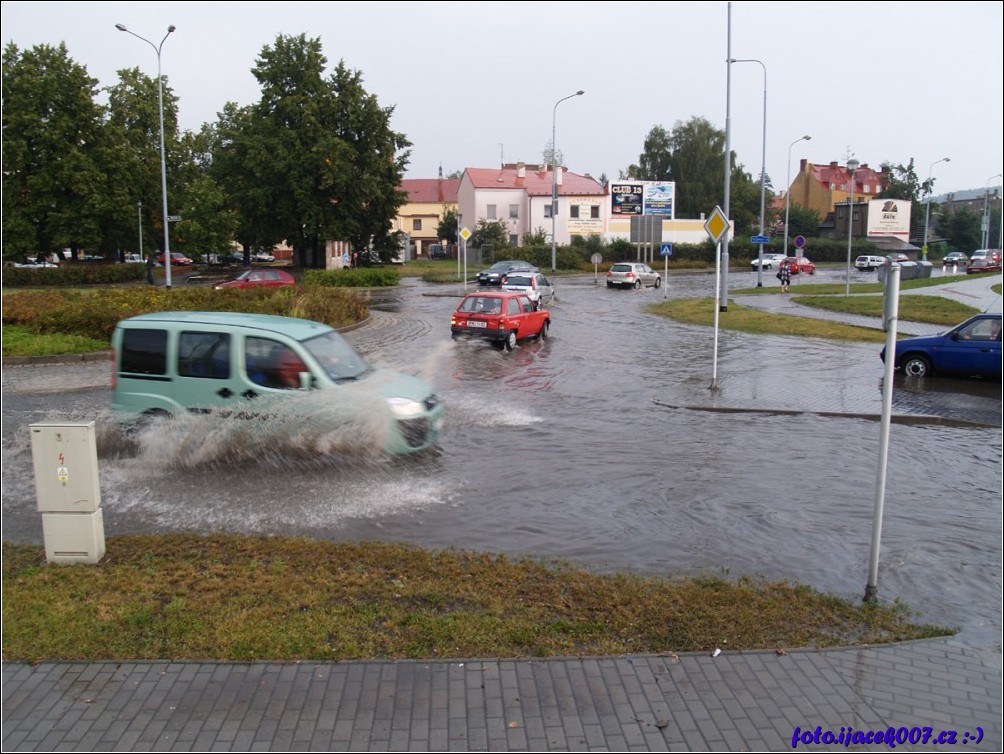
314 158
55 185
655 162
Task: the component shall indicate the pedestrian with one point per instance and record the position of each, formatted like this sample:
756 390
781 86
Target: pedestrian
150 264
784 275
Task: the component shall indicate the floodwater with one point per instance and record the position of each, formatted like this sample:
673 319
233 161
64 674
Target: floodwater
603 446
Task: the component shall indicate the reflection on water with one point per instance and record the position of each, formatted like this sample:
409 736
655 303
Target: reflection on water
587 447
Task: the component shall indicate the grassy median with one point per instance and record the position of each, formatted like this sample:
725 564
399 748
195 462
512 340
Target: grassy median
233 597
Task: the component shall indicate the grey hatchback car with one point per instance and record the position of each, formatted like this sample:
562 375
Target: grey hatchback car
633 275
533 284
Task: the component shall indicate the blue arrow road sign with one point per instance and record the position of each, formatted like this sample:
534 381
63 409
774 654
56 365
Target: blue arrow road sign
760 239
666 250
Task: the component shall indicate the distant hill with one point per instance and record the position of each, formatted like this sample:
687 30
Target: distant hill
967 194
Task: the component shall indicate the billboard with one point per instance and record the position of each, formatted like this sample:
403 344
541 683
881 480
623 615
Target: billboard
633 198
889 217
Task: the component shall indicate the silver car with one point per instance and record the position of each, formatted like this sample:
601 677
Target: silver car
537 287
633 275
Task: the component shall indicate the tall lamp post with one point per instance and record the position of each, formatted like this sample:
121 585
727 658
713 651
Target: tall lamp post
787 192
927 215
763 169
163 158
554 180
986 213
852 165
139 216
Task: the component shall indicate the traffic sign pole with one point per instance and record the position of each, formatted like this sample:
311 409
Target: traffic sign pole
667 251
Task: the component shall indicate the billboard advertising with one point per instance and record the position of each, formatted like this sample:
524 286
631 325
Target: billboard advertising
889 217
632 198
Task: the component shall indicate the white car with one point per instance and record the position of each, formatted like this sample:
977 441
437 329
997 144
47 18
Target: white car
537 287
263 256
633 275
769 261
868 263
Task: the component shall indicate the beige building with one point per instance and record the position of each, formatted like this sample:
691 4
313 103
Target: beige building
822 187
419 218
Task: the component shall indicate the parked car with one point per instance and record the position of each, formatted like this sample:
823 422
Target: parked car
955 257
533 284
494 274
984 260
133 258
867 262
263 256
502 318
897 257
258 279
176 258
269 369
798 265
769 261
972 349
632 275
436 251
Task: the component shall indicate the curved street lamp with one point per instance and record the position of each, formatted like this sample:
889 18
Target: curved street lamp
163 159
852 165
554 179
927 216
986 213
763 168
787 193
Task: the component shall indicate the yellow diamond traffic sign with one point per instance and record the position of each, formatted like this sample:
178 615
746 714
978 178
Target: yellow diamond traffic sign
466 234
717 225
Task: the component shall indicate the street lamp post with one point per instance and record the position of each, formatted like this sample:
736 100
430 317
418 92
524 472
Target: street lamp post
163 158
139 215
763 170
787 192
852 165
986 213
927 215
554 180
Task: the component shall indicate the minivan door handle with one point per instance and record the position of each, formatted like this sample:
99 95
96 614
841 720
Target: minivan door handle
249 394
224 392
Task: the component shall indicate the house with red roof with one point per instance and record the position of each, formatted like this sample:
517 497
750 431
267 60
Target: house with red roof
519 195
419 217
822 187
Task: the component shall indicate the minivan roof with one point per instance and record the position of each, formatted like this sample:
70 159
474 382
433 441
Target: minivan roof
294 327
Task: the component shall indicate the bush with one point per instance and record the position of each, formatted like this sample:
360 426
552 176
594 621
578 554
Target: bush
72 273
356 277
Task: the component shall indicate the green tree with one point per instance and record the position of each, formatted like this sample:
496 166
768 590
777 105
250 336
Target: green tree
552 156
803 221
903 183
314 158
492 232
696 166
55 155
655 162
962 227
448 229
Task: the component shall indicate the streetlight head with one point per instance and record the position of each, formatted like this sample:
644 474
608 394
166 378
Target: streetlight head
948 159
852 164
807 138
579 92
170 28
121 27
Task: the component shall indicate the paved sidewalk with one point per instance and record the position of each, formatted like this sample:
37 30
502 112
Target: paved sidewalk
746 701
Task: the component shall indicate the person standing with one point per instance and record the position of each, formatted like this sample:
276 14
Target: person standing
150 264
784 275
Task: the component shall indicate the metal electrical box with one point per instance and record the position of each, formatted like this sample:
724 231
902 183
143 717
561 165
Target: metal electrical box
65 458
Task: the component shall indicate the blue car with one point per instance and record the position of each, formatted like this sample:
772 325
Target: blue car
972 349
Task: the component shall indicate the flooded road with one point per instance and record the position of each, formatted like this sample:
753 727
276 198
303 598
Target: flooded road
603 446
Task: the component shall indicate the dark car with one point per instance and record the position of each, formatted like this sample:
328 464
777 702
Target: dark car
954 258
972 349
494 274
503 318
436 251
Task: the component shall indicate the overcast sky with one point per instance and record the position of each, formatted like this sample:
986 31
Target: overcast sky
473 84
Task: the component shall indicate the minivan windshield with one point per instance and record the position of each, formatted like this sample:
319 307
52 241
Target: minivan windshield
339 360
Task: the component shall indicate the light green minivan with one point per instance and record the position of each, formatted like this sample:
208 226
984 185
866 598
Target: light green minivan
169 363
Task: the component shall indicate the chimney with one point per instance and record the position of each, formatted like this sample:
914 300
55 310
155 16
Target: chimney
560 173
521 169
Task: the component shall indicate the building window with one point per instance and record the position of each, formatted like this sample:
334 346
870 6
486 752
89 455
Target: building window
491 211
514 240
594 212
416 224
514 211
573 211
547 210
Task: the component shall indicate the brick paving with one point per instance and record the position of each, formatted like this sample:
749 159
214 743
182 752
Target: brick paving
743 701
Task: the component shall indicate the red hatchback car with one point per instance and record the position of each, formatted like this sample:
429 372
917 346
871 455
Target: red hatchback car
799 264
258 279
501 317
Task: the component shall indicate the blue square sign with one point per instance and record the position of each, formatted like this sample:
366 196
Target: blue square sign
666 250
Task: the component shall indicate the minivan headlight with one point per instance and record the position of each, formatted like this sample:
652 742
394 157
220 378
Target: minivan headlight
405 408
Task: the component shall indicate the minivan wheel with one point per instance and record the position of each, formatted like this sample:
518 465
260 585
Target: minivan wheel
916 366
510 340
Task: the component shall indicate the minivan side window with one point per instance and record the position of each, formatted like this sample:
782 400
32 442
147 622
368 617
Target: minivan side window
270 363
204 354
144 351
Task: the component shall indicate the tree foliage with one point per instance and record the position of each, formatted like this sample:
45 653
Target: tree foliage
448 229
903 183
494 232
803 221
